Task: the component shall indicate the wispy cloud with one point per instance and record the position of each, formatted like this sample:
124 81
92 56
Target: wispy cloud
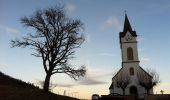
141 50
90 81
112 21
65 85
3 65
54 84
8 30
98 72
95 77
106 54
88 38
143 56
145 59
71 8
162 86
140 39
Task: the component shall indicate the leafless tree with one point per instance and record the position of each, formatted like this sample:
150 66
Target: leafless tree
51 85
148 79
122 80
55 39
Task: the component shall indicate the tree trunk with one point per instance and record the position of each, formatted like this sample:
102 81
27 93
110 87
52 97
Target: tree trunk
147 91
123 92
47 82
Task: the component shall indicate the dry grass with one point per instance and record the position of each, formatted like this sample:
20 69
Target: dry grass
14 89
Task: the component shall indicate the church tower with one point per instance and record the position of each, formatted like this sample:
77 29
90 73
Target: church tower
130 68
128 45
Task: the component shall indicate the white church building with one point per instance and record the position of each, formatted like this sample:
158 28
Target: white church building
130 64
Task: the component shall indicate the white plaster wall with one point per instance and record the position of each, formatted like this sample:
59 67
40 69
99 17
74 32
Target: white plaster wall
133 81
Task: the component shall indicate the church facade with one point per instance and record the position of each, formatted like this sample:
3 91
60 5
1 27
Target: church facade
130 65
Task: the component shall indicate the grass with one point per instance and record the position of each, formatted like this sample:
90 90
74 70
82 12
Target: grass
14 89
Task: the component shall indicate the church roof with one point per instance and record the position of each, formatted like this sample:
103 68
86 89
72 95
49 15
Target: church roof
145 72
111 86
117 73
127 27
139 67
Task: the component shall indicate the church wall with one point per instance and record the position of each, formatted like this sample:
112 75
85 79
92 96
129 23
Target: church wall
124 51
140 89
117 90
133 81
125 44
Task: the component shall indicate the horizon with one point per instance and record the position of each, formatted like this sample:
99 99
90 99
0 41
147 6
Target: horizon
100 52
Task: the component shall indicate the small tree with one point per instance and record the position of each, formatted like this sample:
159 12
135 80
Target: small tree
122 80
55 39
148 81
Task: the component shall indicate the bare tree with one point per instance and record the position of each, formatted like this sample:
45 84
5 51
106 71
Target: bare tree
55 39
51 85
148 79
122 80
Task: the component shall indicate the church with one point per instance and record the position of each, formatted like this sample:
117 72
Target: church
128 73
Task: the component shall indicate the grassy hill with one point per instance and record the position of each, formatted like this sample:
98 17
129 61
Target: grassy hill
14 89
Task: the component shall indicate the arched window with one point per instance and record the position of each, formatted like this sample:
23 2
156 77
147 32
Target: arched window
131 71
130 53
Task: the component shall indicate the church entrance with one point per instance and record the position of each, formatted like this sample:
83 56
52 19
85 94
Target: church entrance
133 91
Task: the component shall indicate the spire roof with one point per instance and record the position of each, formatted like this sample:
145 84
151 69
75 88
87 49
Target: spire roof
127 27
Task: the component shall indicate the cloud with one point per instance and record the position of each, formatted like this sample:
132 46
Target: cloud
95 77
65 85
3 65
53 85
112 21
9 30
88 38
106 54
162 86
71 8
145 59
98 73
140 39
90 81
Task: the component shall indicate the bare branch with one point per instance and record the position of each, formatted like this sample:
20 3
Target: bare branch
122 80
148 79
55 39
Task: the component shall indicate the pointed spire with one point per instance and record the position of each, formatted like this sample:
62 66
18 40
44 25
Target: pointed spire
127 26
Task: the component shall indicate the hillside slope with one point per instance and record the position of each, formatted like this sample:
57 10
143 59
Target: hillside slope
14 89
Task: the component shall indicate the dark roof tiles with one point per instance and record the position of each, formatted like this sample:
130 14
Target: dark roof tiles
127 27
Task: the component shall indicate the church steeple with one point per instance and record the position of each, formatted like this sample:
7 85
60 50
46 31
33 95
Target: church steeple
127 26
128 44
130 64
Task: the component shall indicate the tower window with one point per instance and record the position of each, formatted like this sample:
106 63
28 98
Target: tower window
131 71
130 53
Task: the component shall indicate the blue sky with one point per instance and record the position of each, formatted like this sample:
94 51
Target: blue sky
103 20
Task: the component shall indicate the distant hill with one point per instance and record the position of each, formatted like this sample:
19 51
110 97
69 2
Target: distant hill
14 89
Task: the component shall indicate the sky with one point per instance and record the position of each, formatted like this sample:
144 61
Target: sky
103 20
